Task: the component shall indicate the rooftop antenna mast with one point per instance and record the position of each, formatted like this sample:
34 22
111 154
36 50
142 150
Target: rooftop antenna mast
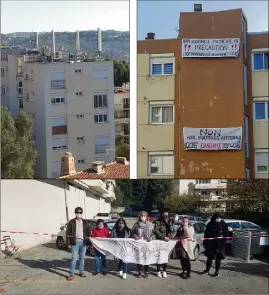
77 46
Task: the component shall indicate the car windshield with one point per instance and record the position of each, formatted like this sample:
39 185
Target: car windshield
110 225
233 225
103 214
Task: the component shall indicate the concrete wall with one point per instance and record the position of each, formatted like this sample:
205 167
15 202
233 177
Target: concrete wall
39 206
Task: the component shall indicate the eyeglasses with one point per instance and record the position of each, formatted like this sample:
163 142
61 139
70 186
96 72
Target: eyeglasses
78 212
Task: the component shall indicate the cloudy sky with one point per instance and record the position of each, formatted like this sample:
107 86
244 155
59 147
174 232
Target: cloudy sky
28 16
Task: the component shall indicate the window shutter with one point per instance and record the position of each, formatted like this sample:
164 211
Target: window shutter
156 69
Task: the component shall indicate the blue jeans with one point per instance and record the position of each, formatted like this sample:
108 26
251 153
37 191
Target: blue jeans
100 261
122 266
78 251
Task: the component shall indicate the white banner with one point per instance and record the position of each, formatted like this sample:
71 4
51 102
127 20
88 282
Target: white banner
212 138
227 47
132 251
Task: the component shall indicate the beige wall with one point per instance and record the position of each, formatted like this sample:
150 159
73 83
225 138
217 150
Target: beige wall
260 133
260 83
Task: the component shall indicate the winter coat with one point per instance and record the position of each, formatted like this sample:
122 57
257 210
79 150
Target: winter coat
161 230
185 249
212 247
124 233
143 230
71 232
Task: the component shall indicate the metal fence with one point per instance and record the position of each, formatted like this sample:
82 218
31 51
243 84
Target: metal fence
248 243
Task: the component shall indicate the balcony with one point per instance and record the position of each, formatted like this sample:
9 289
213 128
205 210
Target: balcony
126 106
57 84
204 186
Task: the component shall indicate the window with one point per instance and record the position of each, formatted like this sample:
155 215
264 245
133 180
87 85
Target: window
244 31
204 181
3 90
99 73
80 161
261 161
100 101
79 93
260 61
249 225
57 100
80 116
245 85
2 72
58 121
100 118
101 144
126 129
161 114
57 80
59 144
126 114
204 193
81 139
78 71
246 138
261 110
161 163
233 225
162 64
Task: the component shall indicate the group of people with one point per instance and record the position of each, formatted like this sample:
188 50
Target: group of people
78 233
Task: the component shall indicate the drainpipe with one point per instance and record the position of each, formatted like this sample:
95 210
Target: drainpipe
66 202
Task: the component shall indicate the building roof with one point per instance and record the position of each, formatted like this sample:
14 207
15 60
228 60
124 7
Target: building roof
112 170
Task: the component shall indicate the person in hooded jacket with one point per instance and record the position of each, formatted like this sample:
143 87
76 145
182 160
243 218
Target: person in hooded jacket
121 231
215 249
143 230
162 231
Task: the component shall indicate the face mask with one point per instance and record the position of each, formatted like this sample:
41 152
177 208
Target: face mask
78 216
218 219
143 218
100 226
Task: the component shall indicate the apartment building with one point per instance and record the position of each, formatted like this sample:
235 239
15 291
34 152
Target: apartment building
72 106
122 113
195 100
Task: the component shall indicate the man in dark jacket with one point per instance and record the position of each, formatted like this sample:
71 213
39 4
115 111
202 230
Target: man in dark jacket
215 249
77 235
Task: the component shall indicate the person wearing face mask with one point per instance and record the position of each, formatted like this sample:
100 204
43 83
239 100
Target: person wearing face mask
185 248
121 231
215 249
162 231
77 233
100 231
143 230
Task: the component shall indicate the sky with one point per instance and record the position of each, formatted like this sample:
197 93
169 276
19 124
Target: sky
162 17
40 16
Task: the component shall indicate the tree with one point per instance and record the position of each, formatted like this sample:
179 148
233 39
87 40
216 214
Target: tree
121 72
184 204
126 191
251 196
123 150
119 197
17 153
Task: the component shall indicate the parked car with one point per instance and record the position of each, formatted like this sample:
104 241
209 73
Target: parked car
104 216
114 215
61 236
199 228
153 215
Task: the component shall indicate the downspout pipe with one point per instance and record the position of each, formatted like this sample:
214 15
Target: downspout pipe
66 202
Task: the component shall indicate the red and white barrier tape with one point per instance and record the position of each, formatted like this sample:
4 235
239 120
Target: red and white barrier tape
191 239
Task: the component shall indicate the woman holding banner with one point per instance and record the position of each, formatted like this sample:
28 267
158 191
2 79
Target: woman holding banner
185 248
119 231
143 230
162 231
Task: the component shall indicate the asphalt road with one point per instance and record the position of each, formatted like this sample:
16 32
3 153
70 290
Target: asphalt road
43 270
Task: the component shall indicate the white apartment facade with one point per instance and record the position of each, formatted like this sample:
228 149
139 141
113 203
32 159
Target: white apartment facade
122 113
72 106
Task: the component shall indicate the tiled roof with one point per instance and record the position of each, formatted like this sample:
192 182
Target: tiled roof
111 171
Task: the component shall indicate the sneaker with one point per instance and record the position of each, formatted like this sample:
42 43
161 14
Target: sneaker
82 274
181 274
95 273
187 276
205 272
164 274
216 274
70 278
139 275
146 275
104 273
124 276
159 275
120 273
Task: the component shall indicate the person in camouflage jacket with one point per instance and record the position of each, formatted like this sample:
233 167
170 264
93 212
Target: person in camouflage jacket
162 231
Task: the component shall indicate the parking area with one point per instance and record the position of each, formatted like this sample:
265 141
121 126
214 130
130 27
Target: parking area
43 270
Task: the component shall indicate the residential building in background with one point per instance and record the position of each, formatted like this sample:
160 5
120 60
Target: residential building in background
176 92
122 113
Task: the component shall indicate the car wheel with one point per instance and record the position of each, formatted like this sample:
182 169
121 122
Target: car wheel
91 250
60 243
196 253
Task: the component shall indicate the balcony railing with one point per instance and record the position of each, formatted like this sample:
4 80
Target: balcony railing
126 105
57 84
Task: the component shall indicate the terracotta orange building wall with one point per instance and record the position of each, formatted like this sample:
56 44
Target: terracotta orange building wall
210 95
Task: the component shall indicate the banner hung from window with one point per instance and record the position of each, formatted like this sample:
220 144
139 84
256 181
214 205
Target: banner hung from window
212 139
226 47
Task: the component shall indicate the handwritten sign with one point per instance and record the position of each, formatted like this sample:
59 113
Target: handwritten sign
226 47
212 138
